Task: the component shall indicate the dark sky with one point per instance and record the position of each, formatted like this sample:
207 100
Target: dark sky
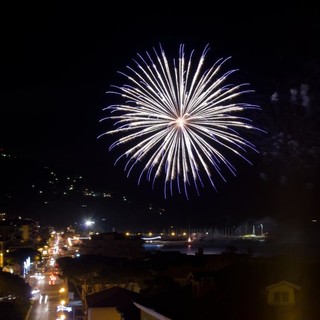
58 61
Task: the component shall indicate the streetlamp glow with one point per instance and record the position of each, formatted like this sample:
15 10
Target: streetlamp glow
62 290
89 223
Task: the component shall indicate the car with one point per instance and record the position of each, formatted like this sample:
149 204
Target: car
52 279
39 276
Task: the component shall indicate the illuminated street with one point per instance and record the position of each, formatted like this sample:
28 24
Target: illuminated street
48 299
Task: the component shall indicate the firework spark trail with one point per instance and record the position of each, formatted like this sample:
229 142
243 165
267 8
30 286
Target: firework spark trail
179 120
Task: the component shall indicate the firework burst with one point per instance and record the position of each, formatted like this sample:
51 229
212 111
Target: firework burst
178 121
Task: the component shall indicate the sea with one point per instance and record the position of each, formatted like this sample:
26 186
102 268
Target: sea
253 247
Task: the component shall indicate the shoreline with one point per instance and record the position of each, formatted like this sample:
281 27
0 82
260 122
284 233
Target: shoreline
268 247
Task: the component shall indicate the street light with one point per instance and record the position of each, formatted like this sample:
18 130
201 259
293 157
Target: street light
61 308
62 291
62 303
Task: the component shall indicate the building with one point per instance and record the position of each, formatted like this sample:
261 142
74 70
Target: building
113 244
19 231
115 303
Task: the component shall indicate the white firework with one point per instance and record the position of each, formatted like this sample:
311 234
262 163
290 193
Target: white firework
176 120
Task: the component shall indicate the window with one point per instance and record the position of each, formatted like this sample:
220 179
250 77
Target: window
281 297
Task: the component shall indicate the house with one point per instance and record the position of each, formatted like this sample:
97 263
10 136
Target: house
202 282
115 303
284 301
113 244
283 293
18 232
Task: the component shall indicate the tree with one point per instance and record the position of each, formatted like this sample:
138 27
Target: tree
15 296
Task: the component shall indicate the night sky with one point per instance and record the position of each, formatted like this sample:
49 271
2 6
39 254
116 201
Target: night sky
57 62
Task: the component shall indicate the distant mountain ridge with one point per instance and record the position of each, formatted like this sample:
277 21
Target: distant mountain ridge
57 196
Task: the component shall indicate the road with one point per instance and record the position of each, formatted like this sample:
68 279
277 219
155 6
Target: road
47 299
50 302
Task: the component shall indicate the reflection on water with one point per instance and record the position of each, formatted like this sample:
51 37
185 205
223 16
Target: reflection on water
254 248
